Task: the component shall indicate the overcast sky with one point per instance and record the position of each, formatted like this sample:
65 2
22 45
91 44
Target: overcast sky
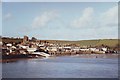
61 21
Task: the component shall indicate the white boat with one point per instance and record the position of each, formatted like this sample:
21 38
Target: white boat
41 54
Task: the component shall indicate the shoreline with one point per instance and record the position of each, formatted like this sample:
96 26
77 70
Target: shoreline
105 56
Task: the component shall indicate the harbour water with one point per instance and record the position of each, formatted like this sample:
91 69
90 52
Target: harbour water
62 67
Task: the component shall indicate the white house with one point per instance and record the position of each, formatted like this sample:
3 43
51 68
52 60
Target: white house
76 49
30 50
84 49
52 49
13 47
92 49
24 47
104 49
1 43
9 45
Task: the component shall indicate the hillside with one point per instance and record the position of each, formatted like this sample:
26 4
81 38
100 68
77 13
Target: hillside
99 42
107 42
15 40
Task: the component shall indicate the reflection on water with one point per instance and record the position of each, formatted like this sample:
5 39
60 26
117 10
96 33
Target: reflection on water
62 67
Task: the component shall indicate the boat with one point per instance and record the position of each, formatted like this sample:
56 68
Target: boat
41 54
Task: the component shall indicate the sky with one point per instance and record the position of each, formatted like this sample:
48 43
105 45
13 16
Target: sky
60 20
0 18
60 0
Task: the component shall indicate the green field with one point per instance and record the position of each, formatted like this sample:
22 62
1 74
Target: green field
107 42
99 42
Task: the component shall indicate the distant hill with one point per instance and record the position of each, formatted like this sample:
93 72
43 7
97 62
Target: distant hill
107 42
99 42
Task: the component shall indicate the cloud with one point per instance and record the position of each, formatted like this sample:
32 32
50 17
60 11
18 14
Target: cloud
85 19
97 25
44 19
7 16
108 23
110 17
89 19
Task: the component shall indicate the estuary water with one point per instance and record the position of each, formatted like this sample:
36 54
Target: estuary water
62 67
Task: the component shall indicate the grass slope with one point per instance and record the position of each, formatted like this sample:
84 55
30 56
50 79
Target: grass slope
107 42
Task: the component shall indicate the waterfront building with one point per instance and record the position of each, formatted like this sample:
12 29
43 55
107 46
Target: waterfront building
31 50
9 45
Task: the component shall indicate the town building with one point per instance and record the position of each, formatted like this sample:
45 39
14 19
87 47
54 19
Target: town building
25 39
